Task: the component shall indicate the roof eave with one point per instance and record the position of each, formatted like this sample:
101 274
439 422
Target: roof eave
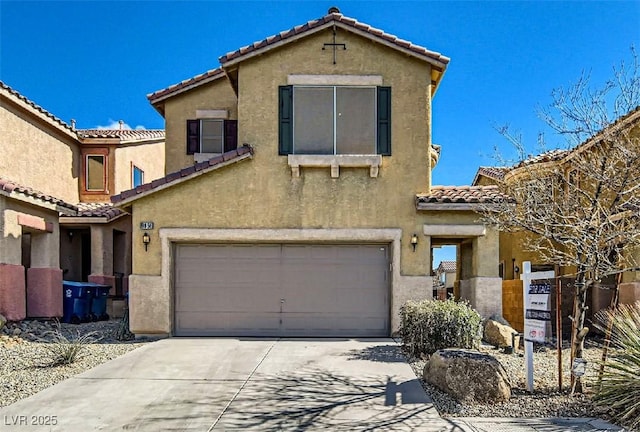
82 220
19 196
156 100
474 207
433 206
441 64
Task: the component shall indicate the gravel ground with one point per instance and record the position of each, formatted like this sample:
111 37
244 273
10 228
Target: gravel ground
26 365
545 401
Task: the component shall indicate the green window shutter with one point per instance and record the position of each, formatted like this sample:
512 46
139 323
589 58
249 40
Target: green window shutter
285 120
230 135
384 121
193 136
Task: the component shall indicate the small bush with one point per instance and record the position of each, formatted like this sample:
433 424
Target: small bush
619 390
66 350
429 325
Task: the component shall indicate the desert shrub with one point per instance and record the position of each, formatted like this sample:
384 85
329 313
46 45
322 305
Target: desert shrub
619 389
429 325
65 349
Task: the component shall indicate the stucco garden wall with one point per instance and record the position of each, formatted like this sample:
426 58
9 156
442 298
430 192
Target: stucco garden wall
42 286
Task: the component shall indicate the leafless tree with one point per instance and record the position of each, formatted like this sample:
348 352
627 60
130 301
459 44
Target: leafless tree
580 204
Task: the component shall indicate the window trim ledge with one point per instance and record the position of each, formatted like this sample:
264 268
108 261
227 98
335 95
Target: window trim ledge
373 162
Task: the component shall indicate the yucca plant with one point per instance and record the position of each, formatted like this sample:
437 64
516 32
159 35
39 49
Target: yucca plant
65 349
619 387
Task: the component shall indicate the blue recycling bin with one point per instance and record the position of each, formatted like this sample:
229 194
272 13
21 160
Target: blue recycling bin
76 302
99 302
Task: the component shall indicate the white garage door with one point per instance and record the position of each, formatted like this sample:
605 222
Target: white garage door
281 290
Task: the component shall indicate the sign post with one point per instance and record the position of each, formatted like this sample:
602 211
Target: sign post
536 313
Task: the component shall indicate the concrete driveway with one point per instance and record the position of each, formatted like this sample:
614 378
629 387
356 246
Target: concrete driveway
238 384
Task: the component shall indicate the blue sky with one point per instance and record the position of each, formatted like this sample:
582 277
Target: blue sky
96 61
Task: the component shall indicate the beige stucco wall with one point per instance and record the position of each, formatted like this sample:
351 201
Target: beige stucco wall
149 157
217 95
35 154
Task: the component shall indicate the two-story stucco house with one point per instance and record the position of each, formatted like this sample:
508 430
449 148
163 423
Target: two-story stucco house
299 201
56 221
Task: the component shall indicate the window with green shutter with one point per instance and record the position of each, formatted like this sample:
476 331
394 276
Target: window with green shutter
332 120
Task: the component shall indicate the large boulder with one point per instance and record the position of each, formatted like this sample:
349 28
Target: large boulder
468 375
500 335
3 321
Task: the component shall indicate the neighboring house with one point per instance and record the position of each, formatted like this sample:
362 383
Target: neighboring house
300 199
444 281
55 216
512 249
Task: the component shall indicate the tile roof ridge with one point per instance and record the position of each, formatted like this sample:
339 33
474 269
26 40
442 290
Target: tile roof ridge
210 74
35 106
11 186
335 17
175 176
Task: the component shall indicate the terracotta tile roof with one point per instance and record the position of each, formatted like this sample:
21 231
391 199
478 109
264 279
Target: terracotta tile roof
548 156
206 77
122 134
10 187
335 17
447 266
184 174
36 107
103 210
438 60
496 173
469 195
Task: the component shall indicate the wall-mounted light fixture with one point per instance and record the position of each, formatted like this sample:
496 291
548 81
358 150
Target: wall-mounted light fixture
70 234
414 241
146 239
516 269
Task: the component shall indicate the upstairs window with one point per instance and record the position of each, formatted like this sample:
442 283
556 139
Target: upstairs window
137 176
335 120
211 136
95 175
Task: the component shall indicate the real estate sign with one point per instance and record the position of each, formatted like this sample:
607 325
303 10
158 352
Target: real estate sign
536 288
537 318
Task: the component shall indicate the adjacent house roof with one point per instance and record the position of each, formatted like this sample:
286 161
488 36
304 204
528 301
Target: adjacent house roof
495 173
459 197
102 210
447 266
334 17
498 173
14 190
228 158
124 135
36 109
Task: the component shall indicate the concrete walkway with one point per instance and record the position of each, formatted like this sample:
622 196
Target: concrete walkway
252 385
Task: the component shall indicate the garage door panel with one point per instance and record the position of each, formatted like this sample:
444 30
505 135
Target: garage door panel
228 323
236 290
334 325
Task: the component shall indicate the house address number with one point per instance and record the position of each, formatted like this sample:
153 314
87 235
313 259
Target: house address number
146 225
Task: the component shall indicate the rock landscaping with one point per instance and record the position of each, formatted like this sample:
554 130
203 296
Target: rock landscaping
468 375
545 401
26 365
